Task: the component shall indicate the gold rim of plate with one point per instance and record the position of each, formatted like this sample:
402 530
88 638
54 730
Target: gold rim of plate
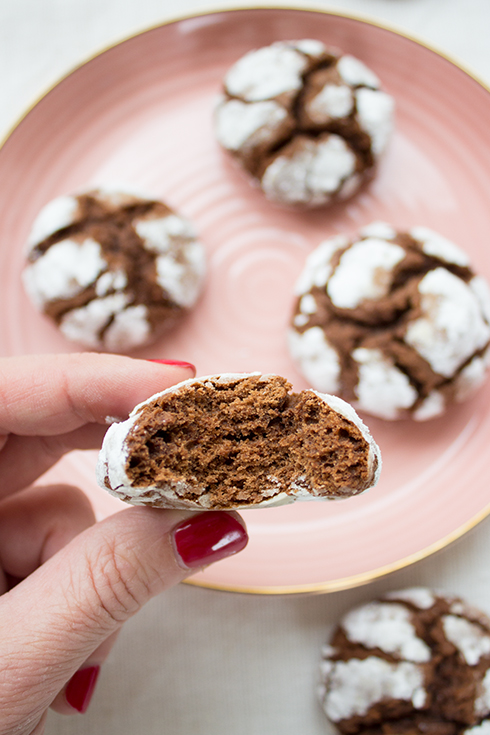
357 580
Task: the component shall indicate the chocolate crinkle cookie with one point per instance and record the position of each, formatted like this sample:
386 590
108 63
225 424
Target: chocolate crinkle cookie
413 662
306 121
395 322
112 269
237 441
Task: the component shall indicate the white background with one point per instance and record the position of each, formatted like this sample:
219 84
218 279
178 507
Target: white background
198 662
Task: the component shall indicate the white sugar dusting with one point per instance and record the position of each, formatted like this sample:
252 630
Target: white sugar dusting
434 405
375 114
353 687
317 268
266 73
470 640
182 280
481 290
57 214
482 702
387 626
356 73
317 359
309 46
439 246
333 101
129 329
158 233
312 175
111 281
83 325
420 597
382 390
378 230
64 270
472 376
364 272
242 125
482 729
451 327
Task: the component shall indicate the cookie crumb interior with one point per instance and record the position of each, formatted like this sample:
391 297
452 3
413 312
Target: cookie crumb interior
246 440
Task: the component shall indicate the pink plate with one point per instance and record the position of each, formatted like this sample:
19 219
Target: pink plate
141 114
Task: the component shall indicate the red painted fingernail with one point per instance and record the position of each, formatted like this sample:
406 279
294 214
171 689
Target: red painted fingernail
209 537
80 688
177 363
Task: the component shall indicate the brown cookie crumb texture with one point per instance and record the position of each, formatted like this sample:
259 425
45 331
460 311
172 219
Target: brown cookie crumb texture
452 661
240 442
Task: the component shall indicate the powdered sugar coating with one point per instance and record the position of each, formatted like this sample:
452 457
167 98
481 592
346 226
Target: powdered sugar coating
312 175
482 702
387 626
398 326
128 269
55 215
318 360
382 388
64 271
112 462
421 597
482 729
468 638
355 73
352 687
375 114
451 327
266 73
242 125
365 271
297 136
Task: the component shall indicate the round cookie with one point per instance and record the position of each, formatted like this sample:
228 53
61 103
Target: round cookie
112 269
414 661
237 441
307 122
395 322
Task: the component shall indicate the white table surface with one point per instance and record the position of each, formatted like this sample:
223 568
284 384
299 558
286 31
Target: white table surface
195 661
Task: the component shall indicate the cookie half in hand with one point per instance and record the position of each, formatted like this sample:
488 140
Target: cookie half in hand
237 441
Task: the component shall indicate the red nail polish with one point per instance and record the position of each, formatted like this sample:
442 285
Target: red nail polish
177 363
80 688
209 537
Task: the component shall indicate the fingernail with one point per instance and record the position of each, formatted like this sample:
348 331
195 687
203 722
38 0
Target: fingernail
177 363
209 537
80 688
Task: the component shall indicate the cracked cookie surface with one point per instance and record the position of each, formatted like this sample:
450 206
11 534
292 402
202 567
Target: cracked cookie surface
112 269
415 661
397 323
307 122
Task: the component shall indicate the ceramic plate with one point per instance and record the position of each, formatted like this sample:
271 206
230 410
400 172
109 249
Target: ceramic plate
140 114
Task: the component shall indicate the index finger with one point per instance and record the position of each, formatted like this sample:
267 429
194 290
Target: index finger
46 395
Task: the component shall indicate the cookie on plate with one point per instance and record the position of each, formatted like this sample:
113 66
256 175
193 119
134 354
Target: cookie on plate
306 121
397 323
112 269
237 441
415 661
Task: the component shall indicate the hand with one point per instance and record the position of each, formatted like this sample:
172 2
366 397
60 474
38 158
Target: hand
67 584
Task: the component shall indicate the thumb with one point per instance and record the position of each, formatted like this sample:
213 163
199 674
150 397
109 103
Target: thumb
60 614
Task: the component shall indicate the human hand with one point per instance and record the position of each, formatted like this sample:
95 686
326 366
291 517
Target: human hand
68 584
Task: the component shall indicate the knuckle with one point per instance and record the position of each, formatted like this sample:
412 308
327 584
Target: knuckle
117 585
